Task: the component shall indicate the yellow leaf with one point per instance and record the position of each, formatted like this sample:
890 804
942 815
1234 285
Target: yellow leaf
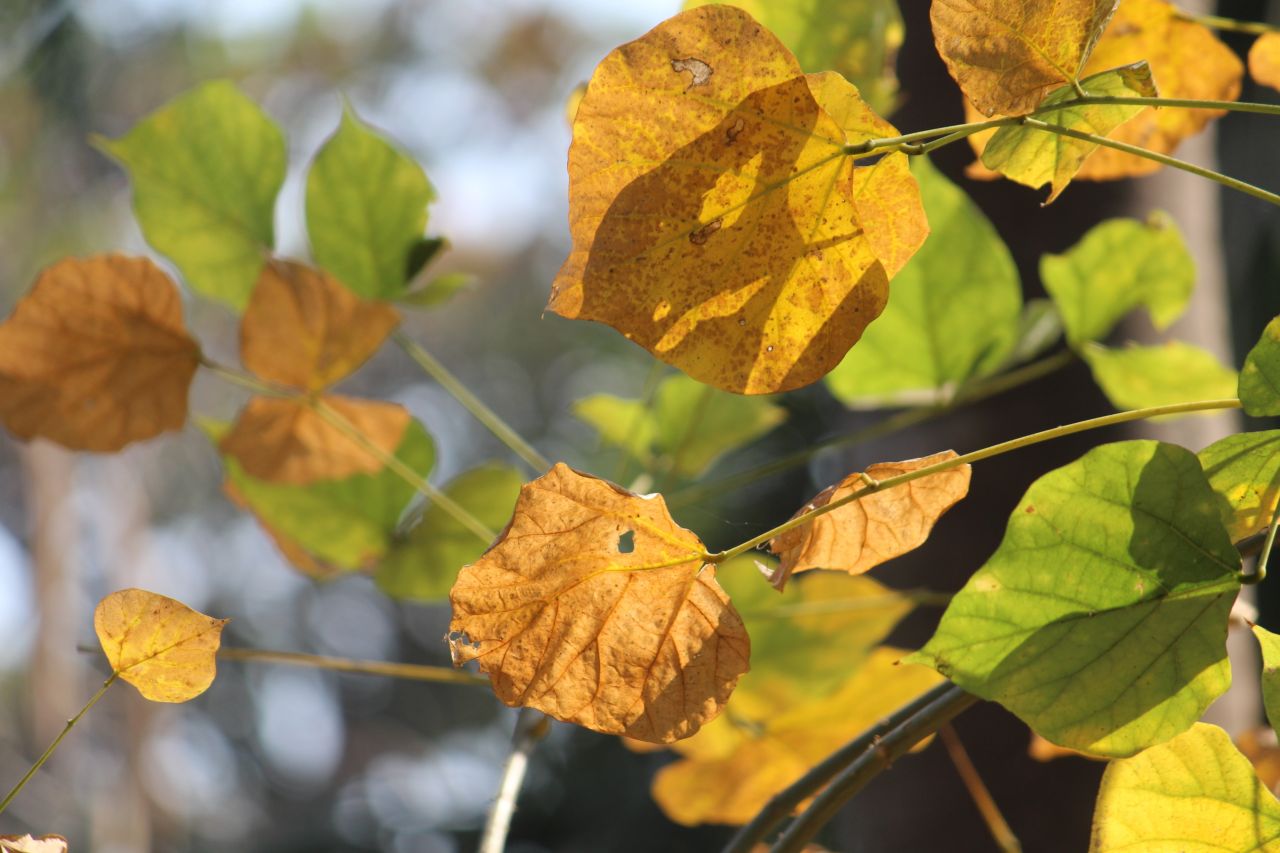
287 441
1007 55
160 646
96 355
712 209
867 532
1264 60
304 329
594 607
28 844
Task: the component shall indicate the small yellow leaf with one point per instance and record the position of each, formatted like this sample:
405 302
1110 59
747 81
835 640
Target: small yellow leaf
304 329
867 532
1007 55
96 355
1264 60
157 644
287 441
595 607
29 844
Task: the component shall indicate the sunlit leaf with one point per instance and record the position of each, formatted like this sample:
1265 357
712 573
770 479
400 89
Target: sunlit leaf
1264 60
366 210
1270 645
206 169
865 533
1036 157
1260 376
1135 377
1101 620
1007 55
30 844
1119 265
425 564
288 441
1244 470
1194 793
594 607
157 644
952 312
722 233
96 355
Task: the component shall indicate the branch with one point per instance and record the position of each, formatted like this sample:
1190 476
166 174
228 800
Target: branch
531 727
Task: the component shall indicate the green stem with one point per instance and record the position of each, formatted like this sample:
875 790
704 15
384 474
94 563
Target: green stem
407 671
1230 25
977 456
71 723
1260 568
473 404
1164 159
1177 103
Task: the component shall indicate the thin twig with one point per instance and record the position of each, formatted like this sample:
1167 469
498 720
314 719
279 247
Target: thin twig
982 798
391 669
531 727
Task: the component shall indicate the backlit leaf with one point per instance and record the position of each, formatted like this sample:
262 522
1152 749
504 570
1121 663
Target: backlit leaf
366 210
721 233
1007 55
865 533
1194 793
157 644
1101 620
594 607
96 356
952 312
287 441
1260 376
1270 645
1036 157
437 291
206 169
1119 265
1135 377
1244 470
1264 60
29 844
425 564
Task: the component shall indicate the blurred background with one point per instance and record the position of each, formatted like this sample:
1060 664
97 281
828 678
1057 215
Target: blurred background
281 759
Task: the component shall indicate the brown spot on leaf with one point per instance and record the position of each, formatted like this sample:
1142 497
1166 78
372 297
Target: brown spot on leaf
700 71
700 236
732 133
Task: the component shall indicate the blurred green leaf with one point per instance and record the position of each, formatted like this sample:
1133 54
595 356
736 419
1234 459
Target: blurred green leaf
1135 377
1039 328
1244 470
1270 645
1260 377
438 291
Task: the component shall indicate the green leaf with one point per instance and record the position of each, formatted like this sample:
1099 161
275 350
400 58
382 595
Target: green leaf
1194 793
206 169
1101 620
1035 157
347 524
1119 265
366 210
1270 645
1039 328
1244 470
1136 377
860 40
1260 376
953 311
438 291
425 564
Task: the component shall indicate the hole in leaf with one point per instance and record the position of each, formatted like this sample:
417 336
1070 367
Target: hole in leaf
627 542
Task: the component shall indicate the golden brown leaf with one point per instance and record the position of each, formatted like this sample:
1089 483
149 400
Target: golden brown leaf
157 644
304 329
1007 55
712 210
1260 747
29 844
595 607
1264 60
867 532
96 355
288 441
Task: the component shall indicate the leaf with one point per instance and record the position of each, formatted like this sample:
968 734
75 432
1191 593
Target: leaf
1007 55
29 844
366 209
722 235
594 607
1101 620
438 291
304 329
952 313
858 40
425 564
1039 328
159 645
1260 376
1136 377
1035 157
1244 470
1119 265
867 532
1196 792
1270 645
1264 59
287 441
206 169
96 356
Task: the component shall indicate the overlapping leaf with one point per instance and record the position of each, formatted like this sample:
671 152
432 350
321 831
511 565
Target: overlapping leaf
1244 470
1264 60
1135 376
1260 376
96 356
1270 645
594 607
157 644
1196 792
33 844
867 532
1101 620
